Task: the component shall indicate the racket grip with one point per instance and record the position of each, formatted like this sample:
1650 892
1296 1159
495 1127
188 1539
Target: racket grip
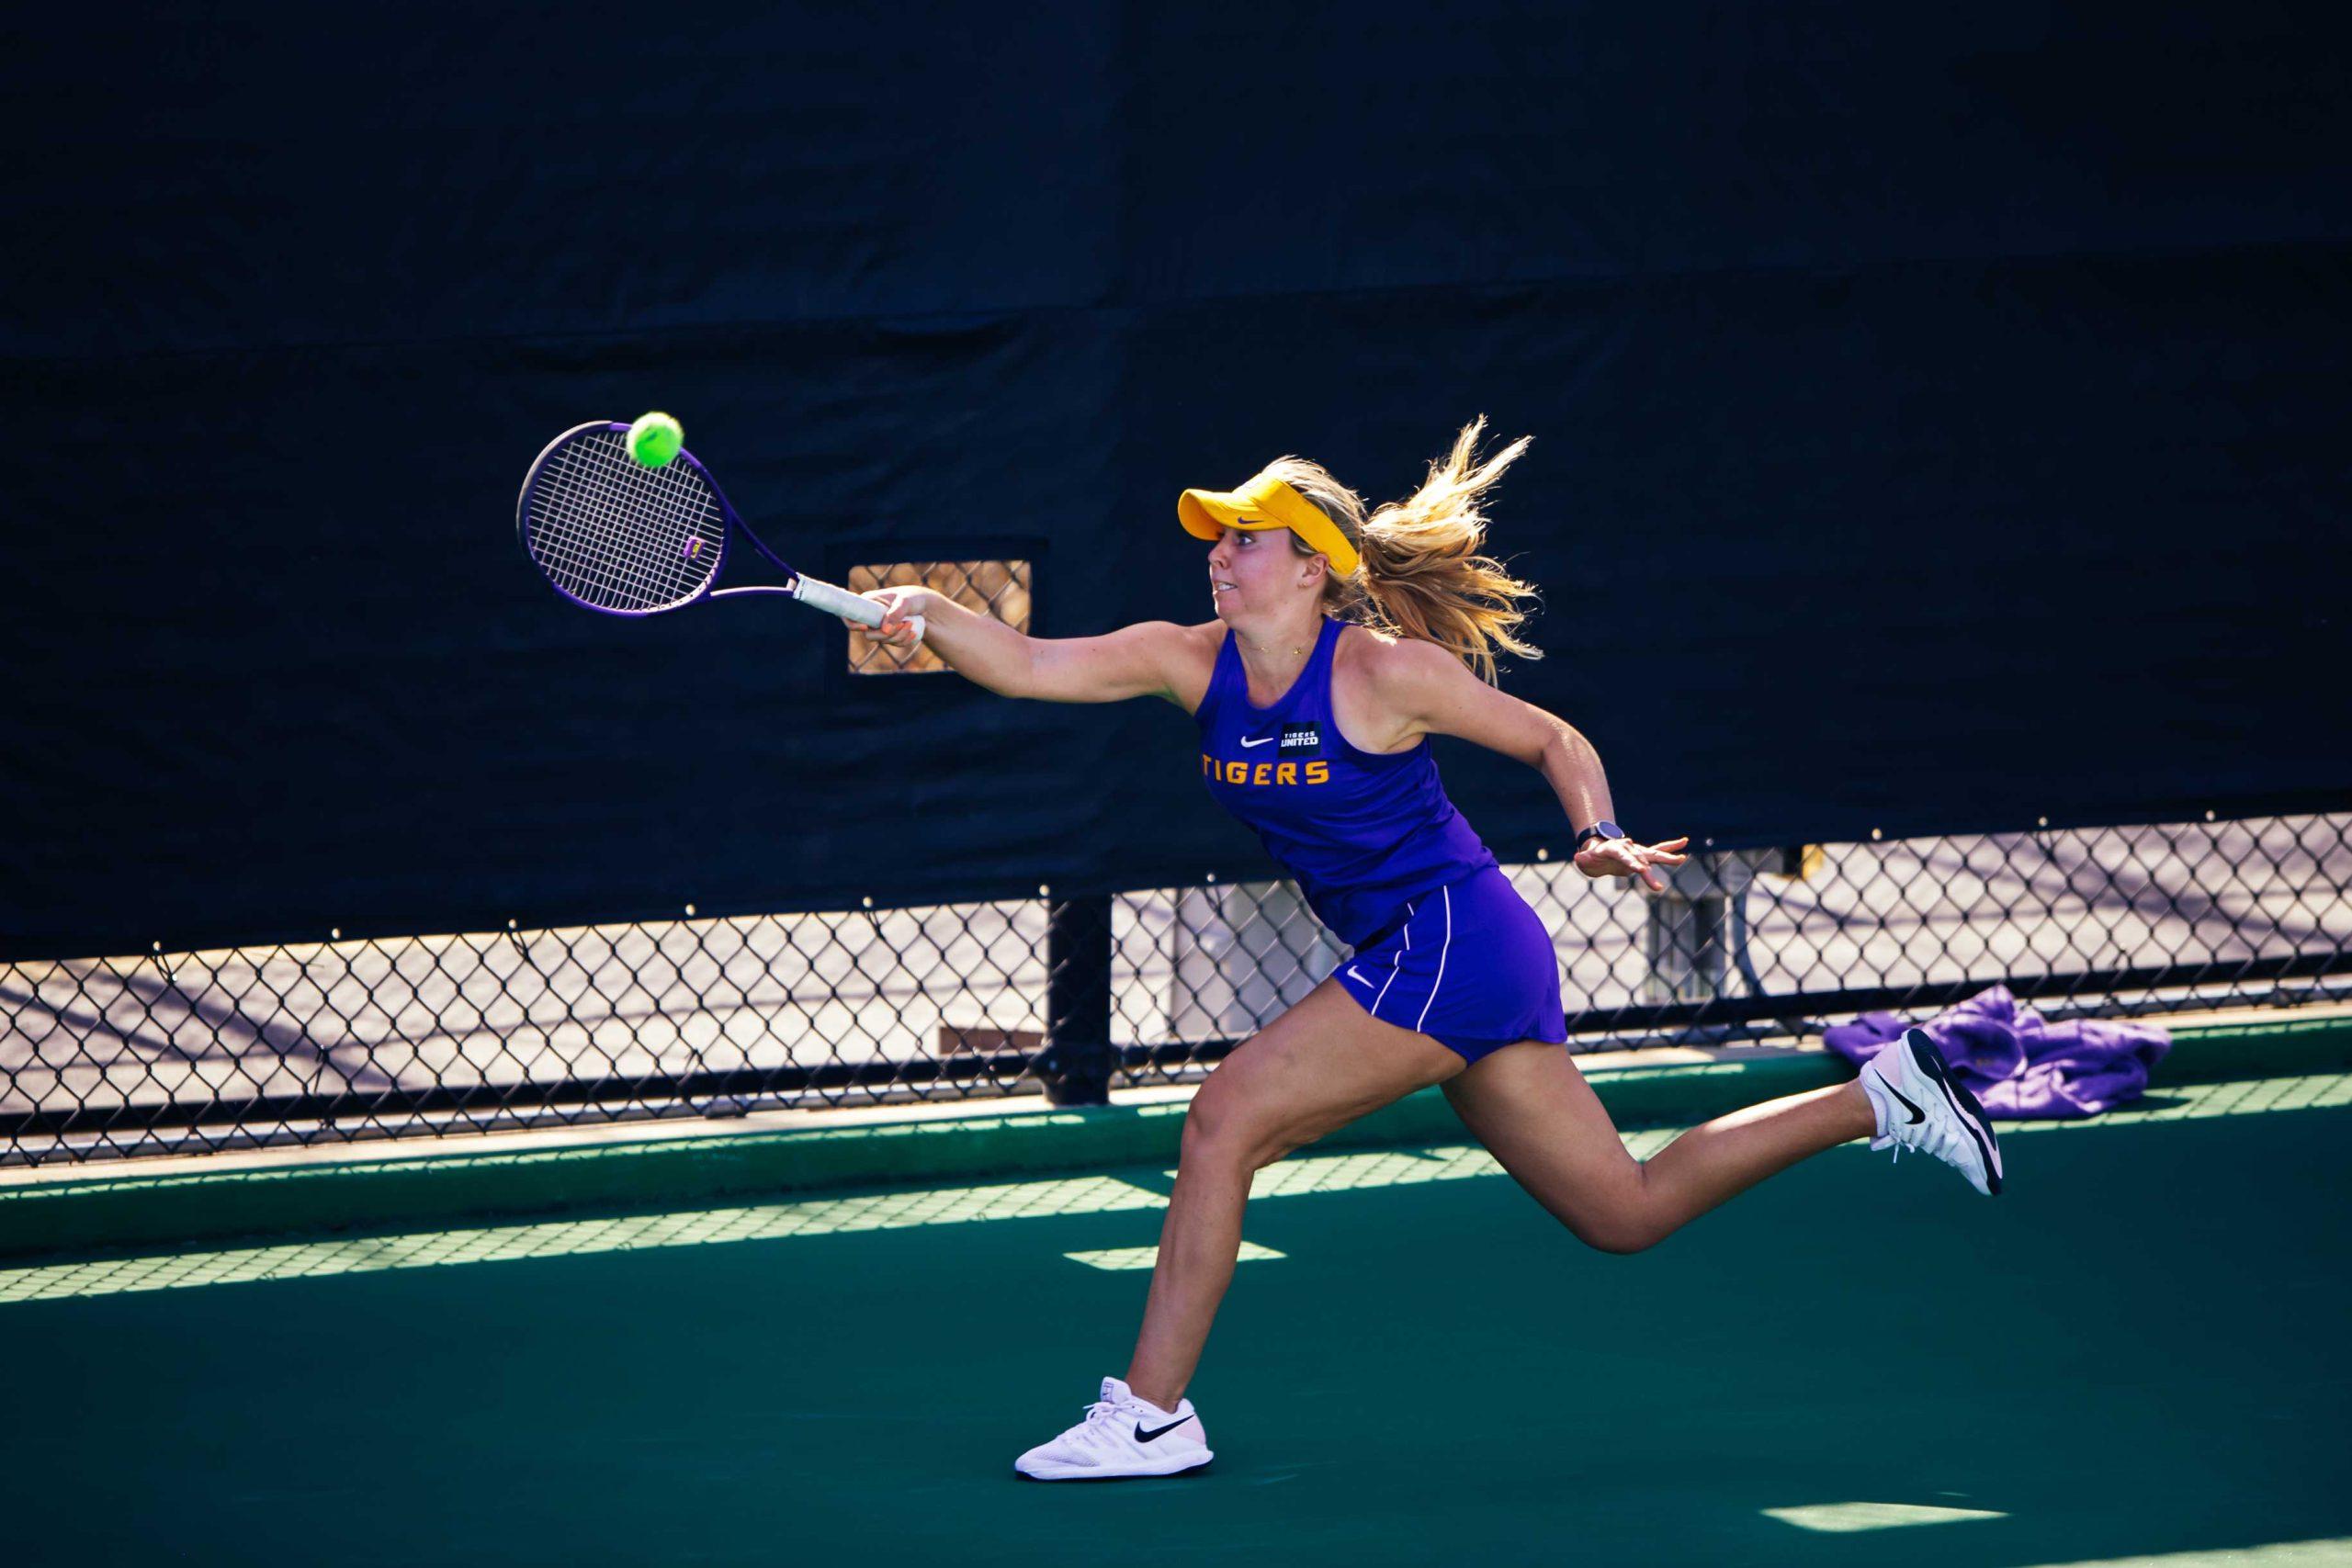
841 602
837 600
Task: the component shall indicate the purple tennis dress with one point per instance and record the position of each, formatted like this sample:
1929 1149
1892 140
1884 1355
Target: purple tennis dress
1443 942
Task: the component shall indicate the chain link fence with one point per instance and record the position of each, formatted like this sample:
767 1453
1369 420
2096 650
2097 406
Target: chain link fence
116 1056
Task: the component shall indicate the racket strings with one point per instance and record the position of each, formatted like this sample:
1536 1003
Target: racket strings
618 535
605 538
631 537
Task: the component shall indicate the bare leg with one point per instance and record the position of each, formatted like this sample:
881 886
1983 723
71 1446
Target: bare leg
1725 1157
1530 1106
1316 1069
1198 1243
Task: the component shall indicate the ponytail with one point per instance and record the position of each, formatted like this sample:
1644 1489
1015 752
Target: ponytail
1422 576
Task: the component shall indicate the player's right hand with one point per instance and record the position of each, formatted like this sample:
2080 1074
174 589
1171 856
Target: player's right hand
900 608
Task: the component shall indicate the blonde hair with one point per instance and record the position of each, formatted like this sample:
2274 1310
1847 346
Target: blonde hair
1421 575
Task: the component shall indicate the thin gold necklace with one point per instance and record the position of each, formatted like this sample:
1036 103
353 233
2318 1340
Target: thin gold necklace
1302 648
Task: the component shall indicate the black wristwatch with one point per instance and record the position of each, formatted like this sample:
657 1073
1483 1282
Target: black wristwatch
1601 830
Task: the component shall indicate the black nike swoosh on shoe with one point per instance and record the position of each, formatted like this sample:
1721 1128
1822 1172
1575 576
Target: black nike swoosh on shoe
1967 1107
1143 1436
1917 1115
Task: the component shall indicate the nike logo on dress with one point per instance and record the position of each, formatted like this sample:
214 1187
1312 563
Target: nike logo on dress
1143 1436
1361 981
1262 741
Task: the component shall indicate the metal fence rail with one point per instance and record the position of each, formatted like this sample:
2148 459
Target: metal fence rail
341 1040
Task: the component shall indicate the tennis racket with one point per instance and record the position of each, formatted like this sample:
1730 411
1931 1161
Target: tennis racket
618 538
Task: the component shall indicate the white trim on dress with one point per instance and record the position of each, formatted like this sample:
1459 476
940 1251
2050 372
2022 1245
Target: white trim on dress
1448 894
1396 963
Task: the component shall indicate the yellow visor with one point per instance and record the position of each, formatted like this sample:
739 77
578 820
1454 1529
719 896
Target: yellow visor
1266 503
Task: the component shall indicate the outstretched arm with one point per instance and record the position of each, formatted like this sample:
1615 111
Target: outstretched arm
1133 661
1434 693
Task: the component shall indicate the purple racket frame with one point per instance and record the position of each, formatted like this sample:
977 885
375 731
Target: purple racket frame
809 591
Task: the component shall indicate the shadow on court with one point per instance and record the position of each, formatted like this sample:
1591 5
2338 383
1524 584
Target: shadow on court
2137 1350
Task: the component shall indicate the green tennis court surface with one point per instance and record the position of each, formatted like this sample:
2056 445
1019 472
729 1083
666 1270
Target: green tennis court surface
2137 1353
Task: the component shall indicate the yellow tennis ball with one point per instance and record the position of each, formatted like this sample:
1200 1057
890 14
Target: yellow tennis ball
655 440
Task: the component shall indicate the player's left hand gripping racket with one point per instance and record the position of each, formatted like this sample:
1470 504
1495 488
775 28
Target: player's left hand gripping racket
615 536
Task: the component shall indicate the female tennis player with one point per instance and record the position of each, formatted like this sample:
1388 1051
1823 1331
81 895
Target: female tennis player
1341 642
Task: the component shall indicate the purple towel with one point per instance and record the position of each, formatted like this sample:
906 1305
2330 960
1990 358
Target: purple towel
2018 1065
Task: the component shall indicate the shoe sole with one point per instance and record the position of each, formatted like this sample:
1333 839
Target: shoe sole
1963 1104
1095 1473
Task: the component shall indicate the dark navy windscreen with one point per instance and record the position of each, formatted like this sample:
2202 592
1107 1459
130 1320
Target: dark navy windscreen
1799 347
1363 834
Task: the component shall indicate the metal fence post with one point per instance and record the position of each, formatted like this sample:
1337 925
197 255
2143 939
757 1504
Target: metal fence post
1695 932
1076 1062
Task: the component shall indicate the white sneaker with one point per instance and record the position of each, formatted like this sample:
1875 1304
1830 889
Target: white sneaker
1921 1106
1121 1436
